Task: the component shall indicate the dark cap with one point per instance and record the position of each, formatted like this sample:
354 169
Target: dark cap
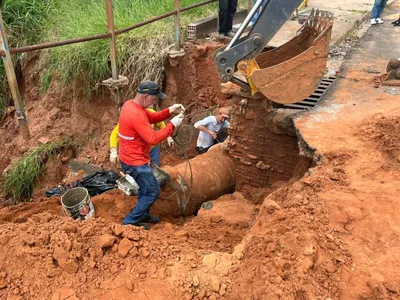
151 88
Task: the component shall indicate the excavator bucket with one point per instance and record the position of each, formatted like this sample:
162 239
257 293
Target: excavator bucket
292 72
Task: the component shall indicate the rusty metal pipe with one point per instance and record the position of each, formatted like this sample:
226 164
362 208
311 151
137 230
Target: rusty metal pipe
113 50
56 44
183 194
12 82
177 24
213 175
113 42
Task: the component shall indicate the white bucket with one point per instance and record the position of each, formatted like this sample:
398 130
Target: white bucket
77 204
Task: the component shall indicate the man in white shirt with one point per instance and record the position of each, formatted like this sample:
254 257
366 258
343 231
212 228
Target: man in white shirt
209 128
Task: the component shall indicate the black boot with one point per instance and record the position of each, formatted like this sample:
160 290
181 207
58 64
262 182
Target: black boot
150 219
139 224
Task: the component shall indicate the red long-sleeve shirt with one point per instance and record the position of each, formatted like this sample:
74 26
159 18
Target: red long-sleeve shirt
136 134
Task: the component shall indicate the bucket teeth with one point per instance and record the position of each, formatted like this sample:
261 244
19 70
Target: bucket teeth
292 71
318 21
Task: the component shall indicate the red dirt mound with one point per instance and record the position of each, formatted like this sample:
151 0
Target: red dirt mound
385 131
56 257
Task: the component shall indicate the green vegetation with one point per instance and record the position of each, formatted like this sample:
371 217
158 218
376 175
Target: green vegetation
141 52
3 107
25 20
4 92
20 180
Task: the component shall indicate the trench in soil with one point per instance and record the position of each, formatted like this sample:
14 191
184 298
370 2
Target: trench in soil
262 140
321 237
265 161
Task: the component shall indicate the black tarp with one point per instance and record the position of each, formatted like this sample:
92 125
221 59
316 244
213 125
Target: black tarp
96 184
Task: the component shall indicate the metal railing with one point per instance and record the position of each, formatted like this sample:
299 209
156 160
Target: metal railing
6 52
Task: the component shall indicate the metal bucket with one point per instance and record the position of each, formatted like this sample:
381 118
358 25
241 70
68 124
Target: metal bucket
77 204
292 71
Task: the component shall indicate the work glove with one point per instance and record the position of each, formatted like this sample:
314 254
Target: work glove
176 109
114 155
177 120
170 141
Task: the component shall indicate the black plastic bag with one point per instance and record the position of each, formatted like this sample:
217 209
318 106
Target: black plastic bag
99 182
96 184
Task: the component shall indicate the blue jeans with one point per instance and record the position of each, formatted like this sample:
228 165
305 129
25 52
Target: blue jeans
149 190
155 156
255 17
378 8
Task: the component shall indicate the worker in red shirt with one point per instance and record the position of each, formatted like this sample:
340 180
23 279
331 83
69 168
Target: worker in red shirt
135 136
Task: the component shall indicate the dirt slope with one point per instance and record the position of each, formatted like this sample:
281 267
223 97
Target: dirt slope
51 257
334 234
357 133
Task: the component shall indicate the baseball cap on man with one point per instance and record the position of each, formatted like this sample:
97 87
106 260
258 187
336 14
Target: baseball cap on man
151 88
224 111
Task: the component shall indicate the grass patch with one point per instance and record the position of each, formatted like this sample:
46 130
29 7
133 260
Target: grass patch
26 24
25 20
3 108
4 92
45 80
141 52
19 182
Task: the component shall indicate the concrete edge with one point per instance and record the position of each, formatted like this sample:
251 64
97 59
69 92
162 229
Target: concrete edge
209 25
357 24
